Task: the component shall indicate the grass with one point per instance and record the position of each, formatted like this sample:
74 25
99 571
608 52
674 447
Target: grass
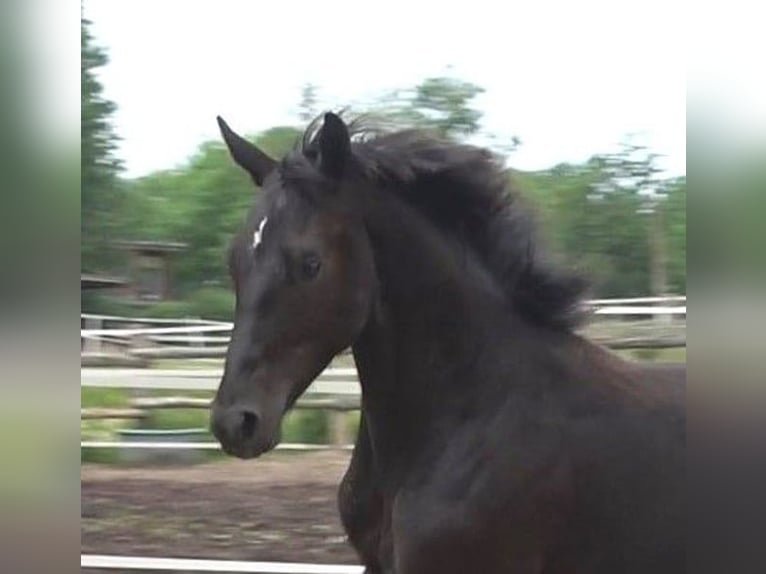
657 355
187 364
298 426
103 397
177 419
341 361
120 398
305 426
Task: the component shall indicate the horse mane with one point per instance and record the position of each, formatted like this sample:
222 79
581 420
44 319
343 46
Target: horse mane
464 190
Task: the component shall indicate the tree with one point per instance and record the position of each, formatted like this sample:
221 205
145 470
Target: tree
445 105
674 219
442 104
597 233
633 170
307 108
618 218
99 166
202 203
596 214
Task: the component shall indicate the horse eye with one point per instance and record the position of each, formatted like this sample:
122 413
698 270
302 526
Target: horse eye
310 265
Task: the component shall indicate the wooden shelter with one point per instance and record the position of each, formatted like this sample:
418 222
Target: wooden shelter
150 265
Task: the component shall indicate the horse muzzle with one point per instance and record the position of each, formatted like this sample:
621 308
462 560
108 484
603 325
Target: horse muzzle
241 431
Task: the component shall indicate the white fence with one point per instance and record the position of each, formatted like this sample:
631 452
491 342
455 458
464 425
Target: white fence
632 300
337 383
122 563
290 447
341 381
331 382
204 333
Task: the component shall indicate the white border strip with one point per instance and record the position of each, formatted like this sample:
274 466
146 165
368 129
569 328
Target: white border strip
200 445
217 328
628 300
632 310
605 307
124 319
192 565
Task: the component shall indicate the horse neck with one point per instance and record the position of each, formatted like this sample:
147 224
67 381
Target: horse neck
436 314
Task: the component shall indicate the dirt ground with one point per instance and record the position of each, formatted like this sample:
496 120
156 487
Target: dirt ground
281 508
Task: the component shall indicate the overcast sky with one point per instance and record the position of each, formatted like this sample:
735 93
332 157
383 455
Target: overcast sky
569 78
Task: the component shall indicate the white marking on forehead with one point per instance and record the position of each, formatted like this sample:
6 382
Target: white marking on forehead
258 234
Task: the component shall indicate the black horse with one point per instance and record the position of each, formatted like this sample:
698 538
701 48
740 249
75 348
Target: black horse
493 438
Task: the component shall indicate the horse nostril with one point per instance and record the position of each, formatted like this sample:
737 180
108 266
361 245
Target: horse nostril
248 423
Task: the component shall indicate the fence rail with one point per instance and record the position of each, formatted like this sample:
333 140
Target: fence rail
195 336
336 391
632 300
203 445
340 387
112 562
340 381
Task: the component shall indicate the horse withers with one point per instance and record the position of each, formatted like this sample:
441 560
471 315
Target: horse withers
494 438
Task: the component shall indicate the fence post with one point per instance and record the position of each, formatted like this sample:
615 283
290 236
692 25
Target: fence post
136 342
338 428
663 319
201 341
93 344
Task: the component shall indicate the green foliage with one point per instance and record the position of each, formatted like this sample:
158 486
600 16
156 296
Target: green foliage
646 354
213 303
441 104
676 355
99 456
168 419
352 420
307 426
165 310
103 304
203 204
597 215
303 426
674 220
100 189
445 105
632 173
103 397
596 229
93 397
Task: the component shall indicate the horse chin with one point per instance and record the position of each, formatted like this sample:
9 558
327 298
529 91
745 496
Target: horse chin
252 449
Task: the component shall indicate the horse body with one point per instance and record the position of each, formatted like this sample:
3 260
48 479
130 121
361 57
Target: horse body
361 506
493 438
517 436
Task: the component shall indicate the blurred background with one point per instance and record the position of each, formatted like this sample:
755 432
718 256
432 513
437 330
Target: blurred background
595 138
589 119
585 101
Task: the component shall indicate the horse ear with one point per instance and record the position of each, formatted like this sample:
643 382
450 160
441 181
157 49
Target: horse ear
334 146
245 154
